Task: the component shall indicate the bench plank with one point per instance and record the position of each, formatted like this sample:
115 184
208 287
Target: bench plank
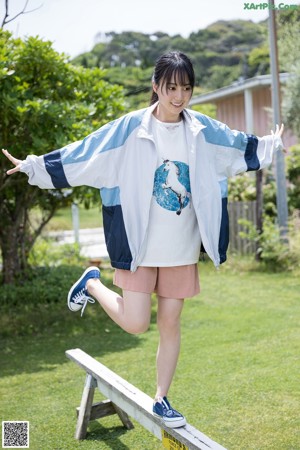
137 404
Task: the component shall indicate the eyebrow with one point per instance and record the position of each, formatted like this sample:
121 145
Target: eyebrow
175 84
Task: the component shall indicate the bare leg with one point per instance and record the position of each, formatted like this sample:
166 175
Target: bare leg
132 312
168 321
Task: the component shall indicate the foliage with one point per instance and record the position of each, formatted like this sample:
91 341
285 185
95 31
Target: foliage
259 61
275 252
219 53
45 102
46 254
289 53
43 285
242 188
208 109
293 173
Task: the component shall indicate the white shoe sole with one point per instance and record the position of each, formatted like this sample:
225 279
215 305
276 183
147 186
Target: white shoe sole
172 423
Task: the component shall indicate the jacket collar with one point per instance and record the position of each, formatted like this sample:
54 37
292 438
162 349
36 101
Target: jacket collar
145 130
194 124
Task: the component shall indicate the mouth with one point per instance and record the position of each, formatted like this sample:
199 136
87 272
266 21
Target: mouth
177 105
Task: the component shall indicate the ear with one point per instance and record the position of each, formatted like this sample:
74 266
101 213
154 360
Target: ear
154 87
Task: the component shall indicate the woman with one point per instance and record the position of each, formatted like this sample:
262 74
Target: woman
162 173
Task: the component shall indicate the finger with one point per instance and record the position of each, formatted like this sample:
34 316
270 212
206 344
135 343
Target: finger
278 131
14 160
8 155
281 130
14 170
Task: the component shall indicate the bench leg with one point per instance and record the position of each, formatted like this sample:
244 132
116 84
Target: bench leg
124 417
85 407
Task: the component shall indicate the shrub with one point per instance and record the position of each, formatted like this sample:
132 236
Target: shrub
276 253
43 285
48 254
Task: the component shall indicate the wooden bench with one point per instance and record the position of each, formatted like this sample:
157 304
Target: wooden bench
126 400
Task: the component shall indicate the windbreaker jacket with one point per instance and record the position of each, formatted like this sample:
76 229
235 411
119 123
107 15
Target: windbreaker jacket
120 159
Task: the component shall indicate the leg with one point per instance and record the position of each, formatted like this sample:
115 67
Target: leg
168 321
132 312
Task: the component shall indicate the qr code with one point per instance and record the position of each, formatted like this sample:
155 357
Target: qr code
15 434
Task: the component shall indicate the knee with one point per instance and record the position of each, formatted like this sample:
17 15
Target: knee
137 327
168 324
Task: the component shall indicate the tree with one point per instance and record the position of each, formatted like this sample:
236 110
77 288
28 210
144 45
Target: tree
45 102
6 18
289 56
293 172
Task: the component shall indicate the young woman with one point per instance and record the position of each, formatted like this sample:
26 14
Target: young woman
162 172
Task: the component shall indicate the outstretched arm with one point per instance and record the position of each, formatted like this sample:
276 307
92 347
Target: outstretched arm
15 161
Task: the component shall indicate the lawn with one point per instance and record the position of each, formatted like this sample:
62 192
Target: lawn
62 220
237 378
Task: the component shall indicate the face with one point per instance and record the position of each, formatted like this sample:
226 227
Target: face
173 98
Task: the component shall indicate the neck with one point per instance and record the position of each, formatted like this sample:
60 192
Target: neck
163 117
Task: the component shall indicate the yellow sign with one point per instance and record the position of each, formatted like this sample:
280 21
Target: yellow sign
171 443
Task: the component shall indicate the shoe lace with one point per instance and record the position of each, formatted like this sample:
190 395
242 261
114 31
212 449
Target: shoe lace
168 411
82 298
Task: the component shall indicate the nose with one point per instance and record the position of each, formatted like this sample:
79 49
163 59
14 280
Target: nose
179 94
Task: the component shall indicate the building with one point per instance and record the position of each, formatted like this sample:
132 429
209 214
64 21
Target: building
246 105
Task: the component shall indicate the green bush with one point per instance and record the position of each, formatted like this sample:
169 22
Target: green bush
40 302
276 253
293 171
46 253
44 285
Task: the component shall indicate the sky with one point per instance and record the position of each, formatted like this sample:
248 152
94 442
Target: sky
72 25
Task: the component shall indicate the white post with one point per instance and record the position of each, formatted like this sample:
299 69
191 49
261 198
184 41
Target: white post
75 219
248 110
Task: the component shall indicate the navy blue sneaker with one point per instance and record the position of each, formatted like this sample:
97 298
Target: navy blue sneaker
170 417
78 296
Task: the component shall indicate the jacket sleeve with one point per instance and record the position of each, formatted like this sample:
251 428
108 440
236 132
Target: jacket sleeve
237 152
92 161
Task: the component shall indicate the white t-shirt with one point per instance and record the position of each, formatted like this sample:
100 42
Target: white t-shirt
173 234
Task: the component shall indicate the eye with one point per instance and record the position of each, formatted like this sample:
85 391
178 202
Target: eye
187 88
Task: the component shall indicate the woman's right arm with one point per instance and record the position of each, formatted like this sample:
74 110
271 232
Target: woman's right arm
87 162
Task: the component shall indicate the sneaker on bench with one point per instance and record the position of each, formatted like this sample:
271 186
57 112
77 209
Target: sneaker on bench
170 417
78 296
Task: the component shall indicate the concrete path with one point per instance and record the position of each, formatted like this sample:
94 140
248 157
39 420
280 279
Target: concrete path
91 240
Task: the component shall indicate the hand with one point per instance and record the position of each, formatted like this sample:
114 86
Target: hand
15 161
278 133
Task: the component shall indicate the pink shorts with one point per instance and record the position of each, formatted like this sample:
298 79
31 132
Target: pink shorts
169 282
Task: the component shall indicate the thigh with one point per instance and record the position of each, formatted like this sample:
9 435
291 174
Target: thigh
137 306
142 280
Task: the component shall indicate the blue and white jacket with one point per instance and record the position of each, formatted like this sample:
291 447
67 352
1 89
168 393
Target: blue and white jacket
120 159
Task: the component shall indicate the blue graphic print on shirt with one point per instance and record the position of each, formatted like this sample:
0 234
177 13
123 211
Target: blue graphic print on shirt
172 189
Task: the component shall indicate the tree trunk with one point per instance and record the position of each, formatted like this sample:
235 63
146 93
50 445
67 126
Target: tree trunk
16 240
14 247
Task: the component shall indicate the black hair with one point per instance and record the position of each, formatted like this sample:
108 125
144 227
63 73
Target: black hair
169 64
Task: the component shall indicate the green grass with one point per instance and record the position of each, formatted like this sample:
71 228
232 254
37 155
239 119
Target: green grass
237 378
62 220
